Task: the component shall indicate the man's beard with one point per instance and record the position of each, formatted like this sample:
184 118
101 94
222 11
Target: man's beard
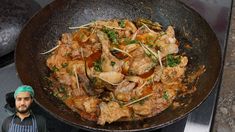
24 110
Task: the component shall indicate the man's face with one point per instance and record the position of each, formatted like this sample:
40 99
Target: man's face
23 102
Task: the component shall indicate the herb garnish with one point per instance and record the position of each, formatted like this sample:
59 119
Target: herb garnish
111 34
54 69
97 65
172 61
122 23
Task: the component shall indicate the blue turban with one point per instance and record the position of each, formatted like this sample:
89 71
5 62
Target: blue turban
24 88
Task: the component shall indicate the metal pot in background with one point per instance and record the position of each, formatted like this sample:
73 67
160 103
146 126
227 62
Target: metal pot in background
13 15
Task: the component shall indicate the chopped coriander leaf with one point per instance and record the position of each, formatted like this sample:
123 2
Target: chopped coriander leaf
55 94
64 65
133 41
111 34
150 39
172 61
165 95
113 63
54 69
129 41
122 23
141 102
61 89
97 65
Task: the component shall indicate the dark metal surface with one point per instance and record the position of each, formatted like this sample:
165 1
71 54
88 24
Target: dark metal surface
7 59
45 28
13 15
218 14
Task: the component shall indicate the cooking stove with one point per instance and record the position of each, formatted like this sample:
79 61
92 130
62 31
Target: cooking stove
216 12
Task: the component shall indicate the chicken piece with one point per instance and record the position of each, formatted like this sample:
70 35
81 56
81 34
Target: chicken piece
76 54
130 26
148 37
169 37
154 104
170 32
135 79
63 72
141 91
78 102
146 107
123 90
82 52
64 77
83 80
58 57
129 29
142 110
77 105
54 62
156 76
100 85
106 56
91 104
167 43
131 47
107 61
87 50
139 52
104 40
66 38
75 45
111 77
82 35
96 47
93 38
183 61
67 76
141 63
167 49
139 85
78 91
111 111
174 75
64 50
87 104
76 51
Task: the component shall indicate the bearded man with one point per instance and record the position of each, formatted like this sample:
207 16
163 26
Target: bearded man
24 120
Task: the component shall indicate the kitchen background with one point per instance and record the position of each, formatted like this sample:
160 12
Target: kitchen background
225 112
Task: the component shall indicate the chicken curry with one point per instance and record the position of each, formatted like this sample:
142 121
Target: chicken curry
117 70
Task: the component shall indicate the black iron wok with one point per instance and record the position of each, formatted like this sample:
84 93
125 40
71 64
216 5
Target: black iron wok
46 27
